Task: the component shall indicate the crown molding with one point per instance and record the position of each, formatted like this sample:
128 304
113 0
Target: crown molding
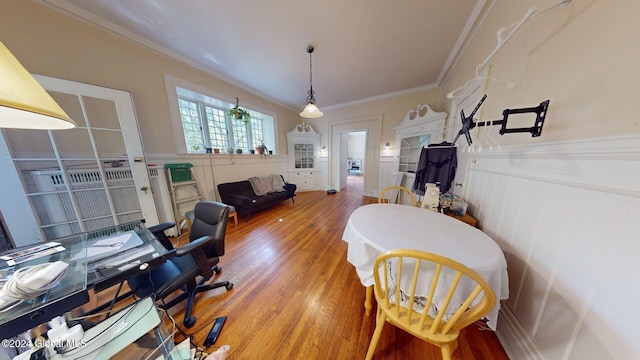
382 97
468 33
75 12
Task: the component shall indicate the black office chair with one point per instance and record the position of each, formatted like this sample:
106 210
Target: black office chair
199 258
208 219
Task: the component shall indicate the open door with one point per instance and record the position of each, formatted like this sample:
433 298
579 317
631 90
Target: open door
344 141
65 182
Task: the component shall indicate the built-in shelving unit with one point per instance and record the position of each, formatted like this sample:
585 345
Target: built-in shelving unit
303 144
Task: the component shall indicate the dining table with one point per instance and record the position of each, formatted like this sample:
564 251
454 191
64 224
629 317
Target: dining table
377 228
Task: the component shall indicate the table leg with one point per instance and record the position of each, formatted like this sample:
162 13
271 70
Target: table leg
367 300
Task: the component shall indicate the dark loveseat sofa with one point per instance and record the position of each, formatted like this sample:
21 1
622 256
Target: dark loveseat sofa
242 196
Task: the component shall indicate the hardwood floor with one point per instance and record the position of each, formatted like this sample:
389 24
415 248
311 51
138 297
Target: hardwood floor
295 296
355 183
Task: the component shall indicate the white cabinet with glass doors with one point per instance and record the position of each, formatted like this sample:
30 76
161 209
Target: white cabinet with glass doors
303 144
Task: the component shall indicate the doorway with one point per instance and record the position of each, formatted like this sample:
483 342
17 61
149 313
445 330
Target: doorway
356 148
337 174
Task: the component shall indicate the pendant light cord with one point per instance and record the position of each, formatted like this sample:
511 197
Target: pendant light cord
310 99
311 110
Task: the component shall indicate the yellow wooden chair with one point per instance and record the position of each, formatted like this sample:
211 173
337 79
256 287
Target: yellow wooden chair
430 322
397 195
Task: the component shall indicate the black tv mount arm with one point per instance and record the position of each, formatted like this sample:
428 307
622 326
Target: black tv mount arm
535 130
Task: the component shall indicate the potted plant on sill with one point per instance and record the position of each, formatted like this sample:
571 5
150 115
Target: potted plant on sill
262 149
239 113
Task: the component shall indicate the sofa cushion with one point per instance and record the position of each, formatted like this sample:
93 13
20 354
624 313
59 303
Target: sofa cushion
237 187
241 201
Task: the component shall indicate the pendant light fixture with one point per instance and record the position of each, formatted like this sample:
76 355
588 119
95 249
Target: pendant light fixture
311 110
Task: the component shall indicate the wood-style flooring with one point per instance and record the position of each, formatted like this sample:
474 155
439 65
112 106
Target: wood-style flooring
295 296
355 183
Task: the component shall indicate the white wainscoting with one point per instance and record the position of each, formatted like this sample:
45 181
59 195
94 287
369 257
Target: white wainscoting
213 169
567 216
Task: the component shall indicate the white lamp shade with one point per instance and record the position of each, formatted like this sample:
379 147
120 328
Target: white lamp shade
24 103
311 111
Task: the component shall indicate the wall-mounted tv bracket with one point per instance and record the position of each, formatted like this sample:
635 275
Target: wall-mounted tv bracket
535 130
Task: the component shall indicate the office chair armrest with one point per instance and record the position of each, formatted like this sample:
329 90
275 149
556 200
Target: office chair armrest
195 249
158 232
161 227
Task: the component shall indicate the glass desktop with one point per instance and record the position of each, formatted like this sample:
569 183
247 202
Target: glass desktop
98 271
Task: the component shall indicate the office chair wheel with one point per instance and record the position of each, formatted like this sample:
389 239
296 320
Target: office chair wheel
217 269
229 287
189 322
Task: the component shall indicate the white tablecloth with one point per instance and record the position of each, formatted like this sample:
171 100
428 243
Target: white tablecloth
377 228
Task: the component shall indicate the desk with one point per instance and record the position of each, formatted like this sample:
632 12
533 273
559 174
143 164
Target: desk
120 265
376 228
72 291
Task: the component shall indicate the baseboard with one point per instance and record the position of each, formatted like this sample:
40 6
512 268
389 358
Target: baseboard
513 337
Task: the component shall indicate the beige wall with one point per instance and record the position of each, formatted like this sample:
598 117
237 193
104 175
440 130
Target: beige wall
359 117
392 109
542 199
583 57
50 43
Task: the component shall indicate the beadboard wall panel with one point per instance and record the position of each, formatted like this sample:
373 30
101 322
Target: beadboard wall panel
567 217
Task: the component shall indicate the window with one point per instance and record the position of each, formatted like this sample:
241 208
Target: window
205 124
190 115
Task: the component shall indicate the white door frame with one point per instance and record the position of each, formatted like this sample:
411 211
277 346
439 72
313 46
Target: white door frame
16 208
372 125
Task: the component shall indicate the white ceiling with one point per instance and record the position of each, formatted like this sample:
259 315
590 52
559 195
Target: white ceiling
363 48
